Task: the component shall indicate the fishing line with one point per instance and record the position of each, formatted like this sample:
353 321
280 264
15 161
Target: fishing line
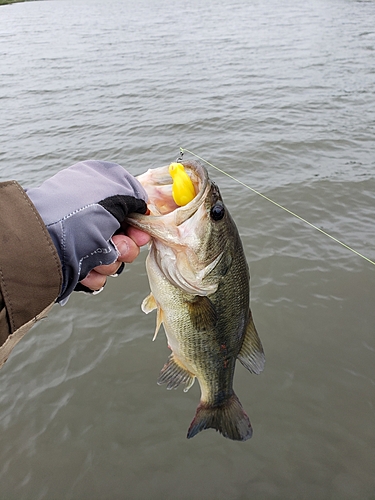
278 205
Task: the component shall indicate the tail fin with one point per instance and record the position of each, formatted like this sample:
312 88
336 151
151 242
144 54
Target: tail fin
229 418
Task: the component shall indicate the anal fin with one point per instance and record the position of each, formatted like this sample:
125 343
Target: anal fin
173 374
251 354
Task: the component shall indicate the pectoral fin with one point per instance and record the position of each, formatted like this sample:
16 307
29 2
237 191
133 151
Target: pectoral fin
202 313
174 374
251 354
149 304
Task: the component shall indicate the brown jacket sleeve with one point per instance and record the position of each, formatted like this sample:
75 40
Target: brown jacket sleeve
30 269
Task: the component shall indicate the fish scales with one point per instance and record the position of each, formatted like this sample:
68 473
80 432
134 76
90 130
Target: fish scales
199 281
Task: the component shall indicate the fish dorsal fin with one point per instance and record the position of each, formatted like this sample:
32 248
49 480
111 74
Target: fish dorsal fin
173 374
202 313
251 354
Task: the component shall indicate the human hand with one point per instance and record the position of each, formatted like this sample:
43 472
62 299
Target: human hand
129 247
84 208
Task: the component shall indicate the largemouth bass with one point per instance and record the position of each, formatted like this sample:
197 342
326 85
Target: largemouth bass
199 281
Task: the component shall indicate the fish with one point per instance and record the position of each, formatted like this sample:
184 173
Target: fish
200 288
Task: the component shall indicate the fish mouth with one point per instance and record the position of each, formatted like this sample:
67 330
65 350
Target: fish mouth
162 208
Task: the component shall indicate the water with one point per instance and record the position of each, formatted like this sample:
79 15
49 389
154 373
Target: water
281 95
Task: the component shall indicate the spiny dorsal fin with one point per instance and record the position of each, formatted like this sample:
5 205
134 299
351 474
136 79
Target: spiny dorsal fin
202 313
174 374
251 354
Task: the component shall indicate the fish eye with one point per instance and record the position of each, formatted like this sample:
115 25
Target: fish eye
217 211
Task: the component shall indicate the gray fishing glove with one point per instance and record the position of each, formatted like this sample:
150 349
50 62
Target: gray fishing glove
82 207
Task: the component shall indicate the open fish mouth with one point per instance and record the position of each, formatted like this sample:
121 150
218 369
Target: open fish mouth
158 185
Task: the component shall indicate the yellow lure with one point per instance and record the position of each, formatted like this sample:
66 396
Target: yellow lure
182 189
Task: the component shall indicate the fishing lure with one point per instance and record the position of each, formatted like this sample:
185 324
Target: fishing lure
182 188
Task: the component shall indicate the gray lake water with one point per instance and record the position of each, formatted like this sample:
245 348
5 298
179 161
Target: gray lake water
280 95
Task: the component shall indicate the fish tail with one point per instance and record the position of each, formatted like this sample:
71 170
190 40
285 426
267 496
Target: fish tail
229 418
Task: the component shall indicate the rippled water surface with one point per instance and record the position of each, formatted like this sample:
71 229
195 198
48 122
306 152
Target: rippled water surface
282 96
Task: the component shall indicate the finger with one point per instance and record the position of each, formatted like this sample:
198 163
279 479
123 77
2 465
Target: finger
138 236
127 247
108 270
94 280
